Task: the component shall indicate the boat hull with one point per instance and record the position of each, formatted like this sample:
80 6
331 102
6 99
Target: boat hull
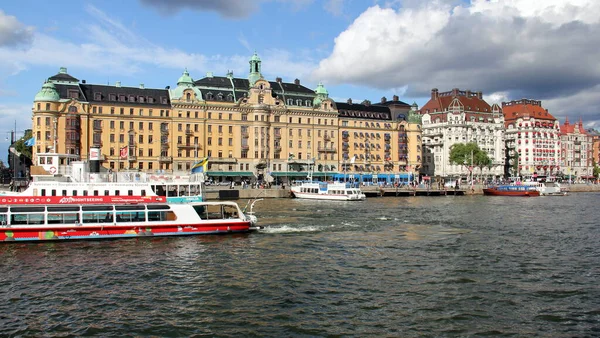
328 197
94 232
521 193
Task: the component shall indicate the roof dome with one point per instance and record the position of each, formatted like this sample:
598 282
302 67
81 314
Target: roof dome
321 90
185 79
255 57
47 93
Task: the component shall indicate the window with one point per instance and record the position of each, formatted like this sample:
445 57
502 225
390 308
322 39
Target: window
231 129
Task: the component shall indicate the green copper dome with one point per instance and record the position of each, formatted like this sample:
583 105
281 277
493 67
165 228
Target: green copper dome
321 90
255 57
185 79
47 93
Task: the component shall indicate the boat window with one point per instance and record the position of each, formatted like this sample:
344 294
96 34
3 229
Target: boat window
3 219
3 209
97 217
27 209
143 192
74 192
157 207
106 193
96 207
157 216
85 193
63 208
64 193
42 192
34 218
129 207
130 192
130 216
116 192
63 218
96 193
53 192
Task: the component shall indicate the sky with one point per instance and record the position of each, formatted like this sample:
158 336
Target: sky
360 49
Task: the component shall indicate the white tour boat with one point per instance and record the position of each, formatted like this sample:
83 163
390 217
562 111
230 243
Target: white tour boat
64 175
334 191
38 221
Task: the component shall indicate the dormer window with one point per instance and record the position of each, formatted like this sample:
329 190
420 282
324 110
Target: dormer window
98 96
188 97
298 102
73 94
141 99
150 100
220 96
209 96
131 98
122 98
163 100
229 97
112 97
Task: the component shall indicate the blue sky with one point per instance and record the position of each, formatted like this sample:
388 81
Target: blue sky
359 49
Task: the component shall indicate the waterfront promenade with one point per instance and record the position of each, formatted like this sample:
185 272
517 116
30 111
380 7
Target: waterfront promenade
224 192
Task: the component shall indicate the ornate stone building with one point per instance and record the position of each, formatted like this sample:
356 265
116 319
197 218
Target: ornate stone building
461 117
250 128
532 139
576 151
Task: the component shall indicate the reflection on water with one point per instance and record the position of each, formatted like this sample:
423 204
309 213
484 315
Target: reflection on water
408 267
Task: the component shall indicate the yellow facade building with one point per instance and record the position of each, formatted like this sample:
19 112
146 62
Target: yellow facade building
249 128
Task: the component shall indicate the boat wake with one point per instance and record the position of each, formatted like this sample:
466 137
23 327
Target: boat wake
288 229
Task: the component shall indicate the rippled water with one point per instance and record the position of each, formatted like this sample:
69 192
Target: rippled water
396 267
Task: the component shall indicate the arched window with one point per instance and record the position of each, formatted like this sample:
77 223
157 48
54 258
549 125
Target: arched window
188 97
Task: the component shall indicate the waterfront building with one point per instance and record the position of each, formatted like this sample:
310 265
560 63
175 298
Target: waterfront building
460 116
595 146
532 139
250 128
576 151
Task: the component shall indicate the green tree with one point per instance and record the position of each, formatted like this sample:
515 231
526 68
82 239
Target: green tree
21 147
469 155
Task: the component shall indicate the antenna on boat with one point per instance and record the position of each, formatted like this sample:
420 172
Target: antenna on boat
254 200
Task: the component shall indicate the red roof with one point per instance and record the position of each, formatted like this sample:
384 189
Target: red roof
471 101
567 128
525 109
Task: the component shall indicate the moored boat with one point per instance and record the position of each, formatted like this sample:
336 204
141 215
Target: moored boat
334 191
37 222
511 190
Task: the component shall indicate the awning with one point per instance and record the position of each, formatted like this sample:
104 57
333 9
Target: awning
289 173
230 173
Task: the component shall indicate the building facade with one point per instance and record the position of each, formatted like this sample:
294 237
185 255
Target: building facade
576 151
532 139
250 128
461 117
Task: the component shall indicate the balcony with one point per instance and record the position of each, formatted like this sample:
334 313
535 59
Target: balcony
189 132
164 146
245 134
164 131
245 147
277 135
165 159
327 150
188 146
277 148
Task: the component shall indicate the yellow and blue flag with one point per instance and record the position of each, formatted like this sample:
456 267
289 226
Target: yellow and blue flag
200 166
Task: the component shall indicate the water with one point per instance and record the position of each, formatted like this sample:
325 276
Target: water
386 267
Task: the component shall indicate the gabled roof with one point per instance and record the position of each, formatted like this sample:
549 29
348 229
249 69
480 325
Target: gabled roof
520 109
101 93
568 128
472 101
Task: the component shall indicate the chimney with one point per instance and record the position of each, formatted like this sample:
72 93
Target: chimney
396 98
349 101
434 94
209 74
278 80
383 100
118 84
297 82
468 92
455 92
83 81
479 95
141 86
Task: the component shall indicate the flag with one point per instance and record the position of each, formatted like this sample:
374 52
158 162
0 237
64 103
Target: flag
291 157
353 159
123 152
200 166
30 142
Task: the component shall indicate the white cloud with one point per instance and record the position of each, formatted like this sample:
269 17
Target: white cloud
14 33
521 48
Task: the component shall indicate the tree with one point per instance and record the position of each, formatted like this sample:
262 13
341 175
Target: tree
469 155
21 147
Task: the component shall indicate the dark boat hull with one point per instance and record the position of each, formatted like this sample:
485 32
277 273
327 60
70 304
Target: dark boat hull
518 193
